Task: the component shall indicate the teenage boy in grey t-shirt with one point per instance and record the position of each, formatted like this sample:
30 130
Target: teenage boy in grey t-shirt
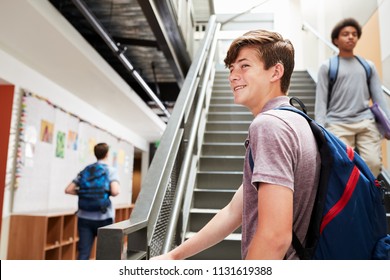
278 196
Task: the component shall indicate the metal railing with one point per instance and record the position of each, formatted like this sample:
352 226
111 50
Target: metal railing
153 225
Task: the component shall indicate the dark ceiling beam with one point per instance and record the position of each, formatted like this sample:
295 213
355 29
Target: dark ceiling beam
136 42
95 39
163 23
118 50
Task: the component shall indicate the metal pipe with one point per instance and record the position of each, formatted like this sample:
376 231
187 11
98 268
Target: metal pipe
243 13
386 90
118 52
318 35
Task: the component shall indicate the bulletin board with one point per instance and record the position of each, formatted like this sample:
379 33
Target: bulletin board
54 145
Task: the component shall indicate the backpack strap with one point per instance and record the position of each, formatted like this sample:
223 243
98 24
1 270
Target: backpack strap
332 74
366 67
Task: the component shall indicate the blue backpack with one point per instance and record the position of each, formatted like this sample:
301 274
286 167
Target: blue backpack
349 218
94 188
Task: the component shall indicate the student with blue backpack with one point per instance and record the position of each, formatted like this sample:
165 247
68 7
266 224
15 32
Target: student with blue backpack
94 185
346 84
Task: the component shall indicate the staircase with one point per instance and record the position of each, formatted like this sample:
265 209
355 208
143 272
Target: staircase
222 157
303 87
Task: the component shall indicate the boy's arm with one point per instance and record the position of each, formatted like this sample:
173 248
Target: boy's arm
71 189
377 93
114 181
321 102
220 226
275 218
114 188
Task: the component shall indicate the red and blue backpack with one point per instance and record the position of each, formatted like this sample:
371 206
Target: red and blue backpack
349 219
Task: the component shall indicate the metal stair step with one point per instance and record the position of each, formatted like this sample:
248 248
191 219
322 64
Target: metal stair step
223 149
226 125
229 116
225 136
219 180
200 217
222 100
225 250
207 198
221 163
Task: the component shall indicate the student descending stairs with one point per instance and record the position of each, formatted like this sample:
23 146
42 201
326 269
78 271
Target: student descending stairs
222 156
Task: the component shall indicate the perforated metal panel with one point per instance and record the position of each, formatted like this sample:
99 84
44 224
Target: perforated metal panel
164 215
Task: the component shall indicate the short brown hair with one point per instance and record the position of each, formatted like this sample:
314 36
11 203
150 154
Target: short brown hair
101 150
271 48
344 23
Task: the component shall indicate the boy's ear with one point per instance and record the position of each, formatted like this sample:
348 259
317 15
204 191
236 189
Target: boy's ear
278 72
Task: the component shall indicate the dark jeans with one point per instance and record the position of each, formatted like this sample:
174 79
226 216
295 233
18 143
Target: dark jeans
87 233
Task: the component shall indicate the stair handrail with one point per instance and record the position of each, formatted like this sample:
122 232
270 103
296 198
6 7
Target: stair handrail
386 90
190 151
307 26
141 226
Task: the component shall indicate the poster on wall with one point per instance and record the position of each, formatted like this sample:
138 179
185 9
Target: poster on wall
46 134
54 146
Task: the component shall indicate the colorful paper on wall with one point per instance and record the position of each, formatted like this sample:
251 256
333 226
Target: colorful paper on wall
46 131
72 140
60 146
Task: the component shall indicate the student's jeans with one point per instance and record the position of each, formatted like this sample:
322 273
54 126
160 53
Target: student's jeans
87 233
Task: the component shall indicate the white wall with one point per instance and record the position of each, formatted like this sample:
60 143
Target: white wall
384 22
42 53
35 38
22 76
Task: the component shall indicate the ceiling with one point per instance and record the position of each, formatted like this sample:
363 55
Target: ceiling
127 34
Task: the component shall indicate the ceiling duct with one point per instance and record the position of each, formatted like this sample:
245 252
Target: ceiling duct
118 50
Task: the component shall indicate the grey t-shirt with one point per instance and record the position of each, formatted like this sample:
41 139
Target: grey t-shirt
350 97
285 153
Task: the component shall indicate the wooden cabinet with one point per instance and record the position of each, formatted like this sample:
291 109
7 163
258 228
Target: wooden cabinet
42 236
49 236
123 213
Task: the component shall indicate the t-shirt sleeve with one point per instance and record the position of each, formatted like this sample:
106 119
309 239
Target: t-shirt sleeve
274 151
113 174
321 101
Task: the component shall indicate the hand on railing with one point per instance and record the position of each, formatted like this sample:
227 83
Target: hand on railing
166 256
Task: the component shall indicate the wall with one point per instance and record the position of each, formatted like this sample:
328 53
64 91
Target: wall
6 98
42 53
384 23
369 43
